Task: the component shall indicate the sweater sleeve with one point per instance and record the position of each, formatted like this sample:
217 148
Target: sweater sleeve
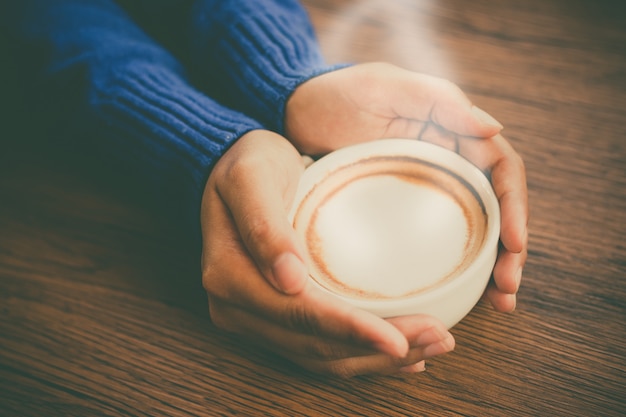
130 99
262 50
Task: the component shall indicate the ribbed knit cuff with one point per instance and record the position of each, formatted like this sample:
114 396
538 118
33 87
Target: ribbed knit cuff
261 50
124 100
165 131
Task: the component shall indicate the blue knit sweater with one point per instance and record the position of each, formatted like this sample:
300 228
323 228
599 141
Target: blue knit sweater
162 88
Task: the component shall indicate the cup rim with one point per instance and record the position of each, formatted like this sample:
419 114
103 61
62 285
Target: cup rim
431 153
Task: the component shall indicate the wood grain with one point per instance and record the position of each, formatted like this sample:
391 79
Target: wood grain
101 307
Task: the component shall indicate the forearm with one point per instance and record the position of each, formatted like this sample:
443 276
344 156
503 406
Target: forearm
127 96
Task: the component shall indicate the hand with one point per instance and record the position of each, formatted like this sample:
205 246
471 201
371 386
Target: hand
375 101
248 244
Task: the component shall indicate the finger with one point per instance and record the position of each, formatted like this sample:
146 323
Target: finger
376 364
223 255
280 339
312 350
507 276
414 368
507 272
500 301
508 178
359 328
258 189
420 330
323 314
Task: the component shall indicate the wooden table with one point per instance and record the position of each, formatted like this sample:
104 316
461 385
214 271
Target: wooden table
101 307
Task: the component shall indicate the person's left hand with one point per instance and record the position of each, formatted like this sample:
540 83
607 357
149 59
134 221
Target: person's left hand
375 101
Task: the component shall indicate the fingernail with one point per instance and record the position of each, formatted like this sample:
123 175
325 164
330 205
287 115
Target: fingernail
431 335
486 118
439 348
415 368
289 273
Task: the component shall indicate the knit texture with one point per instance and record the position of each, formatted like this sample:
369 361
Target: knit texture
261 52
94 68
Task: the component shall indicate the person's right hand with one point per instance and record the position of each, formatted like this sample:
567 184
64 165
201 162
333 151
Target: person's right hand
249 247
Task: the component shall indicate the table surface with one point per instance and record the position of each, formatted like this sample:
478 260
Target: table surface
102 311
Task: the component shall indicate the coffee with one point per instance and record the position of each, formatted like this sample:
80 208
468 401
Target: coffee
390 226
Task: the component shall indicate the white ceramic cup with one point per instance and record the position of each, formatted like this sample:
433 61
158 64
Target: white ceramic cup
398 227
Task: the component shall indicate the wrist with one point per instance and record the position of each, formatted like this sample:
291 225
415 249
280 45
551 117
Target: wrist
312 111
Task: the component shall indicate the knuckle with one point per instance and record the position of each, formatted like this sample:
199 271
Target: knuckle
336 369
216 284
341 369
207 278
449 86
210 282
414 356
300 318
323 350
239 169
257 230
218 318
236 170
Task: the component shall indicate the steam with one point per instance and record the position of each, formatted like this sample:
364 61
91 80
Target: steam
374 30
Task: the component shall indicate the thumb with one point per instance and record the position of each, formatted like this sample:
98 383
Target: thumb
453 111
465 120
258 190
442 102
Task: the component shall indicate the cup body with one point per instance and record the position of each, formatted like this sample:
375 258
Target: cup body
399 227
